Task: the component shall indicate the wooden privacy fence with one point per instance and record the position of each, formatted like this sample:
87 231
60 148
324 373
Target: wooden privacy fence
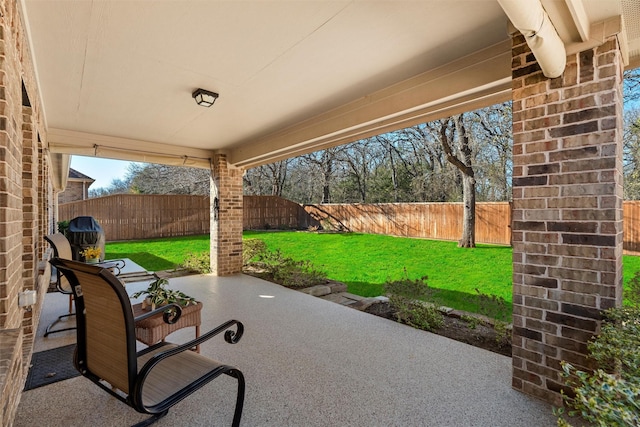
631 225
133 217
269 212
138 216
427 220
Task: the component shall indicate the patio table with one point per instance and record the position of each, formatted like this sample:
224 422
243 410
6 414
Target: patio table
153 330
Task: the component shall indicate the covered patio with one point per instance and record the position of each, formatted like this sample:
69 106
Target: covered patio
120 79
309 362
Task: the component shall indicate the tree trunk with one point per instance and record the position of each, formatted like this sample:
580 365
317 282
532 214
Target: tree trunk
465 166
468 239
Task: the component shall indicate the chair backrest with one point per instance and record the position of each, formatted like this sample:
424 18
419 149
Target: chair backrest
106 346
61 249
60 244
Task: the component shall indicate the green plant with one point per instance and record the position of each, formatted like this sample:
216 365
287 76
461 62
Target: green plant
198 262
408 297
503 332
471 321
63 226
610 395
158 294
251 248
287 271
299 274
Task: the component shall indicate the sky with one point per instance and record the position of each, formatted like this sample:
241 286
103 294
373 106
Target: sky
102 170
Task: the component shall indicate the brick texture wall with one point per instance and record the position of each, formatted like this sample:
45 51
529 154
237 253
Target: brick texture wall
29 223
20 206
75 190
567 198
226 224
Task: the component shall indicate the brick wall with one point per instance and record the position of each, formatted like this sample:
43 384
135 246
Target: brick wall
20 207
45 200
567 217
75 190
226 224
29 224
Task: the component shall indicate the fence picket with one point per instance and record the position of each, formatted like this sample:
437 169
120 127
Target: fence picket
135 216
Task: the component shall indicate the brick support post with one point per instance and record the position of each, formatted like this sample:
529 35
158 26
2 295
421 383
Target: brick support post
45 201
567 216
226 217
30 225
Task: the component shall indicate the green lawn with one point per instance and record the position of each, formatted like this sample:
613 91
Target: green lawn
158 254
366 261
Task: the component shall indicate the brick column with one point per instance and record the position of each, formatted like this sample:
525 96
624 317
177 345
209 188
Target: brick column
45 201
226 217
29 200
30 235
567 216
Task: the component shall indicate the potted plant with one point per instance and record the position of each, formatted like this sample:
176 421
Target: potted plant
158 294
91 255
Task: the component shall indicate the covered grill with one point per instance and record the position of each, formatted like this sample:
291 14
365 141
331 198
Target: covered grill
85 232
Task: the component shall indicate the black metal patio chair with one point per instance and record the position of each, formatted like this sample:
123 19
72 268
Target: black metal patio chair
154 379
62 249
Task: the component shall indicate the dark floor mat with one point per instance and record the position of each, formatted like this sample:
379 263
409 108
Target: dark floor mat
51 366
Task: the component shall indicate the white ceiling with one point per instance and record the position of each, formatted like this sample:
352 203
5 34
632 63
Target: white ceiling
293 76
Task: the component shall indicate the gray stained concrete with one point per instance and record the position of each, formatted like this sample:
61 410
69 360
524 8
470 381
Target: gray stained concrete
307 362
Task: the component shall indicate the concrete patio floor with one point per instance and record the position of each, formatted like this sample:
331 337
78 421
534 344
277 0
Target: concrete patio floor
307 362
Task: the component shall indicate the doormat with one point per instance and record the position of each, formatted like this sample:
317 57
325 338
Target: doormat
50 366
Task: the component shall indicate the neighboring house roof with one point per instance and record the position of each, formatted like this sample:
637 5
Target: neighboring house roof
75 175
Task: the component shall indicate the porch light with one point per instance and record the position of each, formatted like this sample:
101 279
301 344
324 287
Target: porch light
204 98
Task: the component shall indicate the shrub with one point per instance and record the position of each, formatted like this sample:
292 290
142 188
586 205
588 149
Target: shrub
63 226
287 271
298 274
496 308
609 396
251 248
408 297
199 262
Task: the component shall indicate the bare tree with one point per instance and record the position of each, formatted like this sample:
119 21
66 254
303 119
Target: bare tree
267 179
117 186
324 161
631 150
150 178
490 128
460 155
632 85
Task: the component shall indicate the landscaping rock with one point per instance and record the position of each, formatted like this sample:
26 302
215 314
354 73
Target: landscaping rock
336 287
317 291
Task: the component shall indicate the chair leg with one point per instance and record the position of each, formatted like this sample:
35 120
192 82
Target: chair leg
152 419
50 329
237 414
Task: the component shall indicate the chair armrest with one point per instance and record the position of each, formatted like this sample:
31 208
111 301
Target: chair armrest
167 315
230 336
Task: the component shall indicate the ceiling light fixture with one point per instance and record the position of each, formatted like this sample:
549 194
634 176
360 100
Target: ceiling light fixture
204 98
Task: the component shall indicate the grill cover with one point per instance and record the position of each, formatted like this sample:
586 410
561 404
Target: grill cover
84 232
